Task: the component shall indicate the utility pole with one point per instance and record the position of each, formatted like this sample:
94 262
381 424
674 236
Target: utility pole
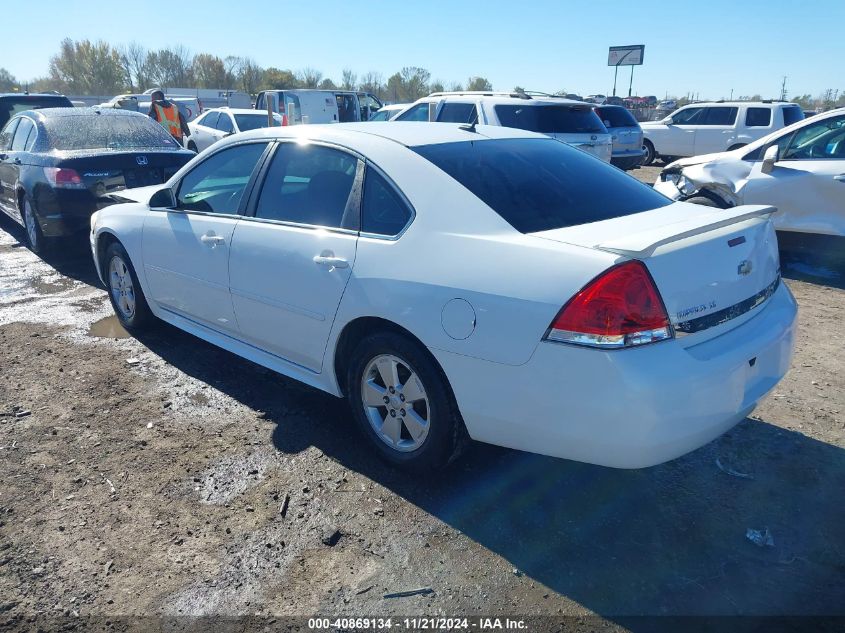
783 89
732 95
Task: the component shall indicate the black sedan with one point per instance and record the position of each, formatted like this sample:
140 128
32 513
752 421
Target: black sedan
58 165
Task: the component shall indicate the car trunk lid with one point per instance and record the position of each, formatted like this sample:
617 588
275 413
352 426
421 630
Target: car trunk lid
110 172
711 266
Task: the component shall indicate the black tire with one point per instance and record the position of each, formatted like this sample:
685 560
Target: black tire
445 435
193 147
650 154
704 201
33 235
140 317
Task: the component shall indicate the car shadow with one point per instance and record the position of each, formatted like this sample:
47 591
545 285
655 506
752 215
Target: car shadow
818 259
668 540
71 257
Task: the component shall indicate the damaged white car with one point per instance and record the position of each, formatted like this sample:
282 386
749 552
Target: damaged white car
799 169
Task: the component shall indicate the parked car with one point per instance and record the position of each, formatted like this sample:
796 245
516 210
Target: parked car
455 280
388 112
190 107
615 101
318 106
800 170
572 122
596 99
651 100
57 165
626 133
219 123
12 103
704 128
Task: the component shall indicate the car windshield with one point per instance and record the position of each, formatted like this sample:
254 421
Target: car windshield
540 184
255 121
105 132
550 119
616 117
10 106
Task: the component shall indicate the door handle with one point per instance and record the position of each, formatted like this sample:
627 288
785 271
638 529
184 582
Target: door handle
840 177
330 261
212 240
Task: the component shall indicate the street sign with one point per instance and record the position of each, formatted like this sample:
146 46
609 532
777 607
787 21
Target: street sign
626 55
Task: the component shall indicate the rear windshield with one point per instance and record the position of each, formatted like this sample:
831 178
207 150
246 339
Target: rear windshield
248 122
550 119
616 117
106 132
792 114
542 184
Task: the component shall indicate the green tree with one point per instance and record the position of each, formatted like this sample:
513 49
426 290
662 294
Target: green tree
170 67
414 82
372 82
208 71
479 83
249 76
276 79
85 67
436 86
327 84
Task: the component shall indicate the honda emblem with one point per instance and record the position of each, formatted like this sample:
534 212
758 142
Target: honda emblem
141 160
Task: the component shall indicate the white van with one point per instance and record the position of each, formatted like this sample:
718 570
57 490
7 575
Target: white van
718 126
318 106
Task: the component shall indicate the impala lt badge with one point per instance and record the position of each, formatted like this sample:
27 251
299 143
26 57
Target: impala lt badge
745 267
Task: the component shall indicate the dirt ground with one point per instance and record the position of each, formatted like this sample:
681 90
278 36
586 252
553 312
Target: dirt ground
166 477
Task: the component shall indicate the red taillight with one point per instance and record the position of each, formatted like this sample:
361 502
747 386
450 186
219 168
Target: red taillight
619 308
63 177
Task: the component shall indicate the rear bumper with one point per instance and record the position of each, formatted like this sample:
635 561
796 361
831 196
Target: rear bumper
627 159
627 408
67 212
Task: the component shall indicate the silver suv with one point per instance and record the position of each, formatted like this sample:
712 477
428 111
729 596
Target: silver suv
572 122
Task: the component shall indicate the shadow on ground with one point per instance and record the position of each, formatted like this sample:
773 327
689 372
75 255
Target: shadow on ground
664 540
71 257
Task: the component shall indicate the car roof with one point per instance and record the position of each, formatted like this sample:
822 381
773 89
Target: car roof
527 100
55 113
409 134
236 110
26 95
756 104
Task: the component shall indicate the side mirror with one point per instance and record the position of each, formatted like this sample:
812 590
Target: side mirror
769 159
163 199
667 121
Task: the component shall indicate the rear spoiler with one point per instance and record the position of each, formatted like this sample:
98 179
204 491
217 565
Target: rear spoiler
640 245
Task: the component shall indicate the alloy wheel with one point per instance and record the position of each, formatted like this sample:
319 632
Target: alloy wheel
31 227
395 403
121 287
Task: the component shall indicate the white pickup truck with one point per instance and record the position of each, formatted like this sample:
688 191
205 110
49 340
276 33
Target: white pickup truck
718 126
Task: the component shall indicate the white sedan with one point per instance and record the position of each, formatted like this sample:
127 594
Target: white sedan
219 123
799 169
459 281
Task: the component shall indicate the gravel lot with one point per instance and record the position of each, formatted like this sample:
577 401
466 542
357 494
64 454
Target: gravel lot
163 476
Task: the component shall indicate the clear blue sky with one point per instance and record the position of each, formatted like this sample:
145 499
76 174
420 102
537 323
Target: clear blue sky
705 47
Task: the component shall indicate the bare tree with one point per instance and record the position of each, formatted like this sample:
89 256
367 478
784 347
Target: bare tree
309 77
250 76
7 81
134 60
348 79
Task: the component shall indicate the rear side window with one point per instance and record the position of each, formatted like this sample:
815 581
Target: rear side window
720 116
224 123
542 184
309 184
22 134
384 212
418 113
551 119
458 113
792 114
616 117
210 119
758 117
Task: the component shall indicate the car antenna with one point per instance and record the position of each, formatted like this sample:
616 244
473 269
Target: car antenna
469 127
